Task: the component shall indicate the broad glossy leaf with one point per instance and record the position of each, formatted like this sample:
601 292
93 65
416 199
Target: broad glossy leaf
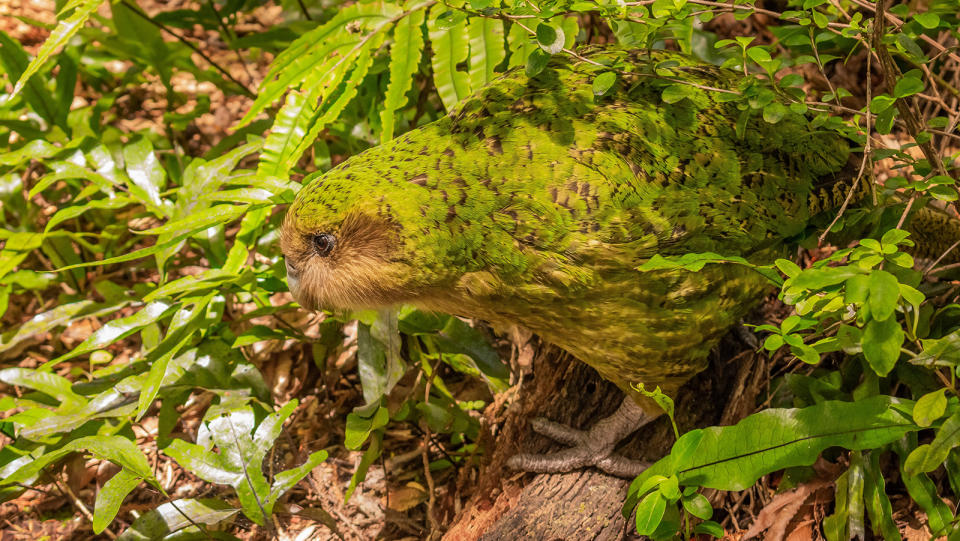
69 213
200 220
734 457
184 325
51 384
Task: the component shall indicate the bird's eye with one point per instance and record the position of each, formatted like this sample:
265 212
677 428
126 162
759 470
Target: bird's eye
324 243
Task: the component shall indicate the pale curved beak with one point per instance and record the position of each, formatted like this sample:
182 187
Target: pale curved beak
293 280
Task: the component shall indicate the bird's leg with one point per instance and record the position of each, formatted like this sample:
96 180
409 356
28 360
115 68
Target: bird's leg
592 447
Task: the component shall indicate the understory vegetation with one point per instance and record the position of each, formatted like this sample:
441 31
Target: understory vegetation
158 380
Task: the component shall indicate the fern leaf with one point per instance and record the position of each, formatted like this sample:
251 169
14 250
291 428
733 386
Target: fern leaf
486 49
61 34
521 44
404 60
289 128
449 49
335 101
324 50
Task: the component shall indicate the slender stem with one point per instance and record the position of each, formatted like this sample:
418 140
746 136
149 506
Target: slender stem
303 10
192 47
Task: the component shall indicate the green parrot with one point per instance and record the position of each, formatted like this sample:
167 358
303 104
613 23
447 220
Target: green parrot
534 201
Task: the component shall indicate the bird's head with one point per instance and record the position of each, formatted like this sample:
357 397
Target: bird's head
365 236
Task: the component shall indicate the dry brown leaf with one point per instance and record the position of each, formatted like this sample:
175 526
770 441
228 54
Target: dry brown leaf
407 497
776 515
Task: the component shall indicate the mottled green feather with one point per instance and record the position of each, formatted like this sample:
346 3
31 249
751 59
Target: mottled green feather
533 202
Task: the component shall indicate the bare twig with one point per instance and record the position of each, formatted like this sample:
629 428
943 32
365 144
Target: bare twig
136 11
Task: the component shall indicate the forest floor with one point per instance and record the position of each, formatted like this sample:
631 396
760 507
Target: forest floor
390 503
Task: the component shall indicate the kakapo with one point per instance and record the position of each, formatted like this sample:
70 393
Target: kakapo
534 201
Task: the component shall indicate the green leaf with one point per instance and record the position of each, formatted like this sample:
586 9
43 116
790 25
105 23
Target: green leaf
536 62
111 496
774 112
908 86
450 47
289 128
876 501
710 528
14 61
884 294
929 457
333 103
44 322
178 516
885 118
369 456
145 172
486 49
521 45
324 53
182 328
65 29
118 329
287 479
880 103
676 92
405 58
359 427
604 82
378 356
788 267
734 457
924 492
927 20
881 344
550 39
51 384
69 213
239 462
698 505
930 407
649 513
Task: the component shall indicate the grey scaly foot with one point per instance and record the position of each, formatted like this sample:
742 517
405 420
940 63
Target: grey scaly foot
592 447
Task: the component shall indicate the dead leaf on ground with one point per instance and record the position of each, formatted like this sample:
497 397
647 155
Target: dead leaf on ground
777 515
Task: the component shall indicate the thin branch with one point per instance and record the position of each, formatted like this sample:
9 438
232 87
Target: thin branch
941 258
192 47
867 155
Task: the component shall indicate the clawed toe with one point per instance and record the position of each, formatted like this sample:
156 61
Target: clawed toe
593 447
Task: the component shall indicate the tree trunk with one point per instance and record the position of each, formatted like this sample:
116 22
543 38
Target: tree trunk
583 504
